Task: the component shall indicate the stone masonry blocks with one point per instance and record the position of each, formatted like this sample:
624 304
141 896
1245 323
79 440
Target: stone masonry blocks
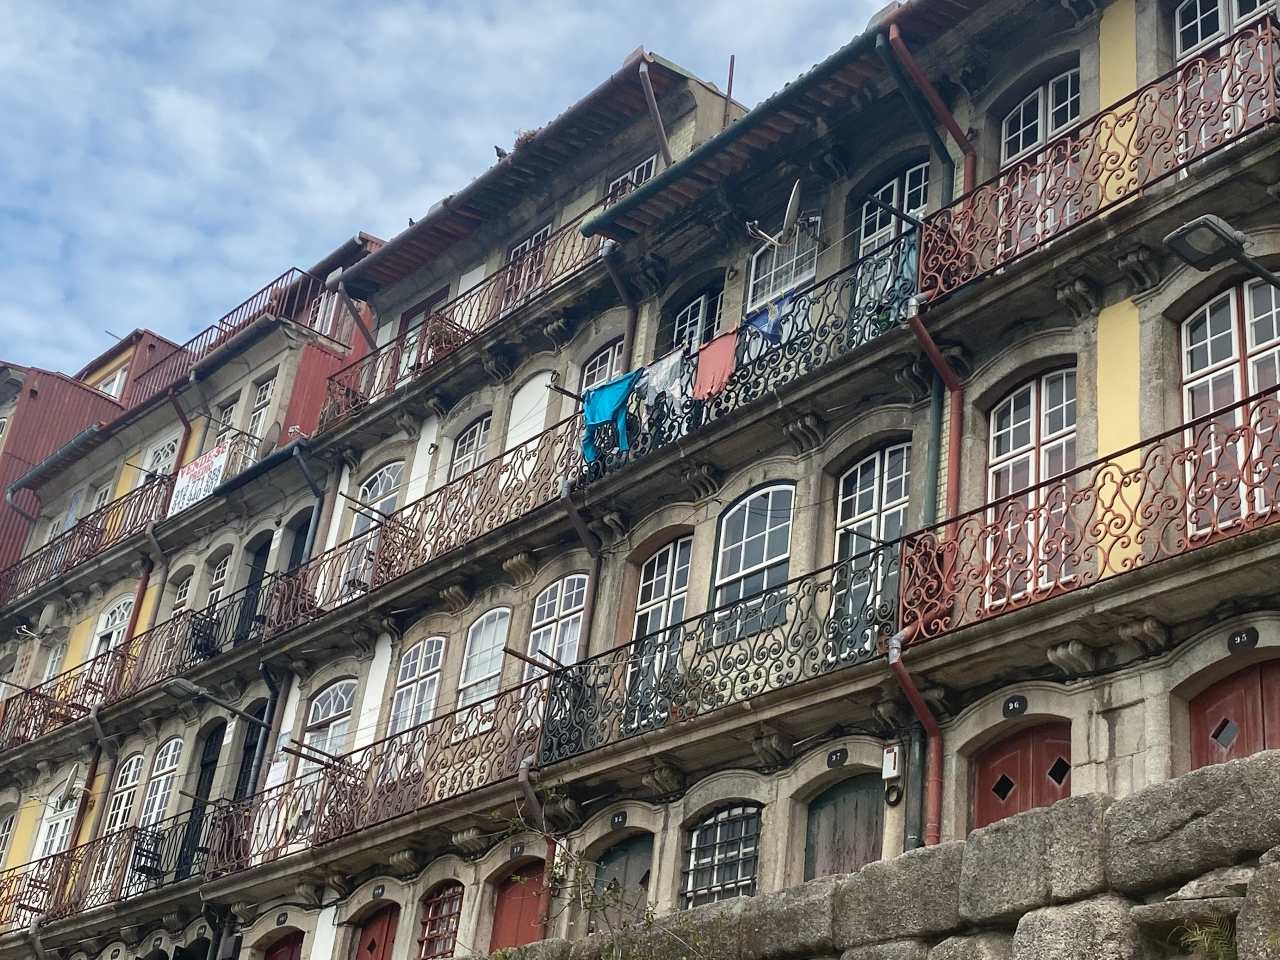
913 895
791 923
1096 929
990 945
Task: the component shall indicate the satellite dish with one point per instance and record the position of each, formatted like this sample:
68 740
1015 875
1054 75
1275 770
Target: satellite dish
793 213
67 792
788 221
269 441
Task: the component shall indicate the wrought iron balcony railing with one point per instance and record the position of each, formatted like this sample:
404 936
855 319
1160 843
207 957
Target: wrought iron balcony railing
294 295
234 452
1108 159
525 277
111 869
90 536
1214 478
167 650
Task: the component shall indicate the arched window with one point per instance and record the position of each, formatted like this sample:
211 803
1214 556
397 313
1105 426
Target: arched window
218 573
164 773
111 626
872 502
908 191
181 593
380 491
694 322
664 587
329 718
482 660
120 809
723 855
469 448
417 684
557 622
261 405
161 459
441 911
59 815
604 365
53 662
1197 23
1023 771
1032 439
1045 111
755 545
777 269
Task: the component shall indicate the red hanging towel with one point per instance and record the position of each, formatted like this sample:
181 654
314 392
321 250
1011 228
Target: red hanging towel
715 365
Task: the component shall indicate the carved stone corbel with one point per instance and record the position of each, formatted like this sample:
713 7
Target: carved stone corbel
917 377
521 567
149 726
665 780
44 767
650 274
350 458
497 365
363 639
472 841
562 814
1072 657
245 911
406 422
1141 268
772 749
889 712
455 598
558 330
1081 297
1148 633
97 590
231 689
302 667
833 164
806 432
341 882
610 527
175 920
406 862
310 893
436 405
132 934
701 479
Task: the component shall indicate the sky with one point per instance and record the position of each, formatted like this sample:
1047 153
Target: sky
161 161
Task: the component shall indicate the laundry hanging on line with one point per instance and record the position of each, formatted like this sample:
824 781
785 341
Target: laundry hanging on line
663 376
716 362
607 403
767 321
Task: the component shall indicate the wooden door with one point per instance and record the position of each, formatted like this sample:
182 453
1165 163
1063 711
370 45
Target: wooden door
192 842
517 914
1028 769
1237 716
622 883
377 935
290 948
845 827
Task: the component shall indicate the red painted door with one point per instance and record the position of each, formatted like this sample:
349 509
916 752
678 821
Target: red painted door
1237 716
377 935
517 915
1028 769
290 948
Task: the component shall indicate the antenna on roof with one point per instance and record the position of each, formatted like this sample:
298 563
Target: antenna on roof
789 221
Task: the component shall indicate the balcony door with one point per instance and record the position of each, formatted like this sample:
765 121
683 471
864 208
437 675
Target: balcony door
190 860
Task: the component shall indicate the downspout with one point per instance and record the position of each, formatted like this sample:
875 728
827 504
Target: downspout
8 498
918 110
264 733
592 545
33 937
610 252
933 455
955 416
112 755
944 116
933 778
334 282
150 533
317 491
524 778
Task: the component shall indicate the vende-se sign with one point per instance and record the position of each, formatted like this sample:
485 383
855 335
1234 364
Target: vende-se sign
198 478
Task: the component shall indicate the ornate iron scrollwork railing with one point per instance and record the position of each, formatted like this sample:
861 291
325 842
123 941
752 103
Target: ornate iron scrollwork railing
91 535
1108 159
1213 478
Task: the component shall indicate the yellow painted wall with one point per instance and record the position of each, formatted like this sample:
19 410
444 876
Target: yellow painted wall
78 641
192 450
25 827
1119 377
97 795
1117 52
150 600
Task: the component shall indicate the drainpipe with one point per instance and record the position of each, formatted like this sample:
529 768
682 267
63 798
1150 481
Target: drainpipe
654 114
611 253
920 112
933 454
933 779
150 533
8 498
112 755
913 816
955 416
944 116
334 282
524 778
318 492
182 444
264 733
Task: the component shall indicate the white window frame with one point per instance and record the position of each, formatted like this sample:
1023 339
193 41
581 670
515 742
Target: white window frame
182 593
167 449
787 267
381 491
602 366
6 834
623 184
1043 99
123 794
219 574
662 595
697 322
557 623
1230 20
417 687
55 825
260 406
113 386
481 673
469 447
724 580
111 626
877 226
160 782
328 724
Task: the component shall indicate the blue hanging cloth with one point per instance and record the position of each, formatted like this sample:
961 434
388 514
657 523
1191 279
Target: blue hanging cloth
607 403
767 321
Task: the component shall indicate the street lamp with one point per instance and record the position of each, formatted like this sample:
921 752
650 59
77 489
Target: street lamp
1209 241
182 689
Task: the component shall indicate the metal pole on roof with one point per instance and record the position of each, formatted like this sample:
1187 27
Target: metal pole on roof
728 95
652 100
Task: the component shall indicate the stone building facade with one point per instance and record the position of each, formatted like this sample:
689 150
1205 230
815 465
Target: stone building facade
615 543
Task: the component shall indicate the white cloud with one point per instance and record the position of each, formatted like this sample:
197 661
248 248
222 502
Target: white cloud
163 161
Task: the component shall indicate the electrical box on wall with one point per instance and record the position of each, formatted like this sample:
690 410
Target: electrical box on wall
892 766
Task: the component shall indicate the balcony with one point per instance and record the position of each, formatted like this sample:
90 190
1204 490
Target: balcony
169 649
109 870
234 453
294 295
526 277
1107 160
91 536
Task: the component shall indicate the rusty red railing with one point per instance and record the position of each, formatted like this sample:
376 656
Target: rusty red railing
1106 160
90 536
294 295
1213 478
107 870
509 486
522 279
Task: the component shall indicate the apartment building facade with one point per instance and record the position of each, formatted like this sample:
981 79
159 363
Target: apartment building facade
706 500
